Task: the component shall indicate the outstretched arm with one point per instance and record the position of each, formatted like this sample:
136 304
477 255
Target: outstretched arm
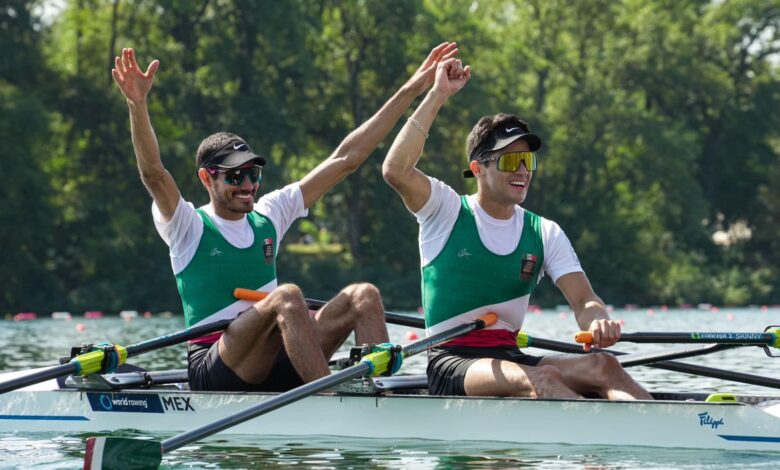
589 310
135 85
399 168
358 145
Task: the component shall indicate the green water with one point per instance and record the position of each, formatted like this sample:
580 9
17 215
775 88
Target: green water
38 343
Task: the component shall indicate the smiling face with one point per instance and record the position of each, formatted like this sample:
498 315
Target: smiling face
230 201
499 191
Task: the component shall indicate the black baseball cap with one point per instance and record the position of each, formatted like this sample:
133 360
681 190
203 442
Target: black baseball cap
233 154
501 137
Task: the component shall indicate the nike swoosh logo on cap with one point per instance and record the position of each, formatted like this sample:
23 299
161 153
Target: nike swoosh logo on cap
510 129
237 146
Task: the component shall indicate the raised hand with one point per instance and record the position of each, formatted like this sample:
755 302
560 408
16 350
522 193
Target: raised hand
451 76
426 73
132 82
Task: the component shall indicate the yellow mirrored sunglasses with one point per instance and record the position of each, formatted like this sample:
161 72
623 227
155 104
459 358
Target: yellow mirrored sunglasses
510 161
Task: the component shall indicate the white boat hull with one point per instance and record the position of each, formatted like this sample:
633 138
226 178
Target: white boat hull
705 425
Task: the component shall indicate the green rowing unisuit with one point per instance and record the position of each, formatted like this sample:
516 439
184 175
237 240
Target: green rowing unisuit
206 284
466 275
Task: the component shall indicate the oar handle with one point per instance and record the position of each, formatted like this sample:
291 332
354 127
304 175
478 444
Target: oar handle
249 294
255 296
584 337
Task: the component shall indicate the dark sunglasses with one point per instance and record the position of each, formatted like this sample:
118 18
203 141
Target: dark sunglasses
511 161
235 176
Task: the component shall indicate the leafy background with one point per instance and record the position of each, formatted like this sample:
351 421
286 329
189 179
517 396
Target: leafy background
660 121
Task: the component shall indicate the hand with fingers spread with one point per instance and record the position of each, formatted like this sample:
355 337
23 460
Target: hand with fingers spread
132 82
426 73
605 333
451 76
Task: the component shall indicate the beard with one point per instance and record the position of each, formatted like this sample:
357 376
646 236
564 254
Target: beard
231 204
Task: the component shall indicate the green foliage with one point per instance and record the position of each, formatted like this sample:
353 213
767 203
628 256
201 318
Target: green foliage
659 118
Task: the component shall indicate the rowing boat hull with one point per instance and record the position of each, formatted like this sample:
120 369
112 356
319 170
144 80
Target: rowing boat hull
705 425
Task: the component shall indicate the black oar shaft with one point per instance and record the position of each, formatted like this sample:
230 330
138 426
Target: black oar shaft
259 409
718 373
404 320
358 370
638 359
390 317
706 337
442 337
38 377
132 350
177 337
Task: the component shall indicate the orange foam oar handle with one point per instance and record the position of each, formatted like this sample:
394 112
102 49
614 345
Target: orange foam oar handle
489 318
583 337
248 294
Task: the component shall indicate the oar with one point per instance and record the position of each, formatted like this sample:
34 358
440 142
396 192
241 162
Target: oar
127 453
525 340
95 361
767 338
314 304
639 359
92 362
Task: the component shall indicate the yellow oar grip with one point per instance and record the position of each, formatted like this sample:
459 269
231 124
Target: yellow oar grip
92 362
776 332
523 340
249 294
380 361
583 337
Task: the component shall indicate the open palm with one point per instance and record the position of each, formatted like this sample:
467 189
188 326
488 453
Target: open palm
132 82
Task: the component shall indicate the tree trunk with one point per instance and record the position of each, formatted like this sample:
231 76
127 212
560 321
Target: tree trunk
112 41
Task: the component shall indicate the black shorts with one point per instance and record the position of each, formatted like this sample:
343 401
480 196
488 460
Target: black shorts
447 366
206 371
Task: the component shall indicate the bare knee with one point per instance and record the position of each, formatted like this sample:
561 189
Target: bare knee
287 295
363 295
603 364
286 302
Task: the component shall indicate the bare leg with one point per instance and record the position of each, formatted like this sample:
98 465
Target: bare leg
358 308
251 343
494 377
598 373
